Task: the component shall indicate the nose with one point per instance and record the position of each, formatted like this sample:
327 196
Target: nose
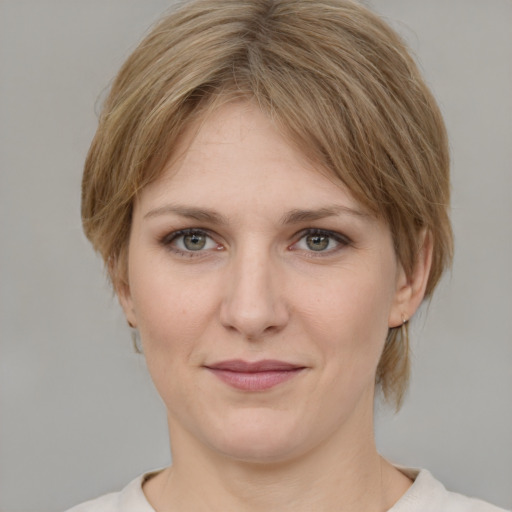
253 304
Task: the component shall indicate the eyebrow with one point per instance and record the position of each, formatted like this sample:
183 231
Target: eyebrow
295 216
188 212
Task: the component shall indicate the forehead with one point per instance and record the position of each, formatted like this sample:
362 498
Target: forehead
236 156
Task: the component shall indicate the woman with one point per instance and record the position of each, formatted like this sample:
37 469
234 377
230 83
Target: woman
269 189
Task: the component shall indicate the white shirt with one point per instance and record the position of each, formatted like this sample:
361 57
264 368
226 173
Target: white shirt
426 494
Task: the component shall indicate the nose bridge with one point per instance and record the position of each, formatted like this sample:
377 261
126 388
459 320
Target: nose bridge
253 302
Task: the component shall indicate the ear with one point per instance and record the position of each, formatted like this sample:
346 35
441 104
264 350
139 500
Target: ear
125 300
118 271
410 290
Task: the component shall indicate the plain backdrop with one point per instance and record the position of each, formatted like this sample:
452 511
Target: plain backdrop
79 415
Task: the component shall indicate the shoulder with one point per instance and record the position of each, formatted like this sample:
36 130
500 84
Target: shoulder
130 499
429 495
107 503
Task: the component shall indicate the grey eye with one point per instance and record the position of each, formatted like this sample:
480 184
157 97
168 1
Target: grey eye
194 241
316 242
190 241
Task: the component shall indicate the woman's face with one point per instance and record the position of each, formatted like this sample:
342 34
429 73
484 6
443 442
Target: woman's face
263 293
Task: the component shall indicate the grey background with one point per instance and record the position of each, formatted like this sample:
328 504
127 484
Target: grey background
79 416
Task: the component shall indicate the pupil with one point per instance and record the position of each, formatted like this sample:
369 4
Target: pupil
317 242
194 242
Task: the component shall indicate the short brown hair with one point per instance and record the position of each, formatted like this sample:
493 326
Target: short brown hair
337 79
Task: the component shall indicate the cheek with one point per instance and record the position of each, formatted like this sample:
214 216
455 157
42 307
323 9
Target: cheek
171 308
350 319
172 317
169 318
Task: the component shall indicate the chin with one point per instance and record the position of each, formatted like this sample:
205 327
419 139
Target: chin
259 437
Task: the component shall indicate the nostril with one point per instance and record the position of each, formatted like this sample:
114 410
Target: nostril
254 323
271 329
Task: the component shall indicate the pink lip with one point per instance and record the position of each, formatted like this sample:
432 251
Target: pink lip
256 376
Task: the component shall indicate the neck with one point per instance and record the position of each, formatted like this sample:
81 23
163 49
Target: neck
344 474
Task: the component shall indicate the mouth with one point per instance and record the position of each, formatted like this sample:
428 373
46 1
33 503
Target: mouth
254 376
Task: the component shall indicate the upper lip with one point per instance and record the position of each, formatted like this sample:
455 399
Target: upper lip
241 366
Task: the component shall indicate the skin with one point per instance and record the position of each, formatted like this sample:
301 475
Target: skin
257 290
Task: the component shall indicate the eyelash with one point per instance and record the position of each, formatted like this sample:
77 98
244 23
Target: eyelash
167 241
341 240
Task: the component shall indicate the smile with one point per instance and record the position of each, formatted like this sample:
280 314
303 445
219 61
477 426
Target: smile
257 376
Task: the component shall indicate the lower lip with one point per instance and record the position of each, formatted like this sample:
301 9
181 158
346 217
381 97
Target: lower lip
255 381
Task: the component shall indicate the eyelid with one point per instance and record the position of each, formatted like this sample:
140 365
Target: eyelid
341 239
168 239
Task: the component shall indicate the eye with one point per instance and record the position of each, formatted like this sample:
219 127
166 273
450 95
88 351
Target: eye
320 241
194 241
188 241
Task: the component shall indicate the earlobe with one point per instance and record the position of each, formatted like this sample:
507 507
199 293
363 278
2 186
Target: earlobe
410 290
118 271
125 300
